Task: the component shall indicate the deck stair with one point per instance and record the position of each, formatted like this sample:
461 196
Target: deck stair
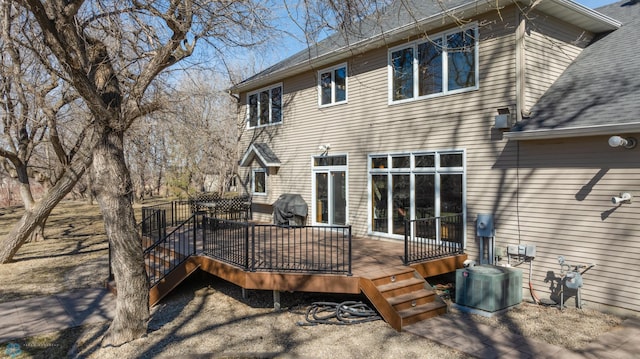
401 296
166 269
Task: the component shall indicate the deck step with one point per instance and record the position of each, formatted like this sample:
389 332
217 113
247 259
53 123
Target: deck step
390 275
397 288
412 299
169 260
402 297
421 312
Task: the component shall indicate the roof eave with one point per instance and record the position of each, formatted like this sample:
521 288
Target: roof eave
600 130
254 152
359 47
594 21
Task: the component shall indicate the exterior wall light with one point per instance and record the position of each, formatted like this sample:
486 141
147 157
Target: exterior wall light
625 197
617 141
324 148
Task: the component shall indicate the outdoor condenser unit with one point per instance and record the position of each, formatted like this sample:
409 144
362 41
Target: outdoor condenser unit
488 288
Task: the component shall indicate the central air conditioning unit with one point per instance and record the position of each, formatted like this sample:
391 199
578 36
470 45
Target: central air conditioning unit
488 288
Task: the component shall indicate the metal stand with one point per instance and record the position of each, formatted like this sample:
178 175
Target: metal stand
276 300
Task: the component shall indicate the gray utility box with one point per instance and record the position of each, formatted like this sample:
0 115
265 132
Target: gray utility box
488 288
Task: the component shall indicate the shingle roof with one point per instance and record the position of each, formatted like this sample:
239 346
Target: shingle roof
601 88
264 154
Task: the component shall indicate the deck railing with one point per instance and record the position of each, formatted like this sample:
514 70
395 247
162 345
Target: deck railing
154 223
431 238
272 248
169 252
176 212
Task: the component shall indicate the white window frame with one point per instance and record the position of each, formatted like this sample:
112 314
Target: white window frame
257 92
332 70
329 169
412 171
445 63
253 181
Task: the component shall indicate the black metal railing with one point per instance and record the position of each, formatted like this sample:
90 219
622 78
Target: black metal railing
169 252
176 212
431 238
264 247
154 223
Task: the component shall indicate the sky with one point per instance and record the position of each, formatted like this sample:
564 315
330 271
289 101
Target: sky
595 3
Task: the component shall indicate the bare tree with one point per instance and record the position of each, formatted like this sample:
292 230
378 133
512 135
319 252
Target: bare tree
111 53
205 114
34 144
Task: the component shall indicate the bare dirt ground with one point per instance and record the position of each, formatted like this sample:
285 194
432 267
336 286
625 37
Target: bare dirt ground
206 317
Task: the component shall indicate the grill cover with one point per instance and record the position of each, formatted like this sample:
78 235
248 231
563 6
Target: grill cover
290 210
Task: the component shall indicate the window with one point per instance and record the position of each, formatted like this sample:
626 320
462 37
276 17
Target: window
446 63
264 107
413 186
259 181
332 85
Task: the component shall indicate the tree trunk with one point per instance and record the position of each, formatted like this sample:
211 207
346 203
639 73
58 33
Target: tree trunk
29 203
38 233
114 193
32 218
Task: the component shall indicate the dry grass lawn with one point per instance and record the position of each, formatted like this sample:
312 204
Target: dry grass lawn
207 317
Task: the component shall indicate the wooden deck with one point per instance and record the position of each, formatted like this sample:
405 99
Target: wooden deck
399 293
320 259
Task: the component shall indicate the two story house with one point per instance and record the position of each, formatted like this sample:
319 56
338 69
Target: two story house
460 108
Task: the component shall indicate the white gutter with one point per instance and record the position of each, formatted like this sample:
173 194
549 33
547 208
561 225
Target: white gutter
631 127
588 12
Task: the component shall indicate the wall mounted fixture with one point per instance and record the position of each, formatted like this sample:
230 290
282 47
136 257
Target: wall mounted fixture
325 148
625 197
503 120
617 141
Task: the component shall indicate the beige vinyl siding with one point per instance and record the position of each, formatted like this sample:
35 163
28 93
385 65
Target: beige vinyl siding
564 207
368 124
550 46
554 194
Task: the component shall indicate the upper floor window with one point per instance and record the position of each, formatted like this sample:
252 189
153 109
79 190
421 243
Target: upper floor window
332 85
445 63
264 107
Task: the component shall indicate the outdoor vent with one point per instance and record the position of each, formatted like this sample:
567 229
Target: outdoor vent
503 121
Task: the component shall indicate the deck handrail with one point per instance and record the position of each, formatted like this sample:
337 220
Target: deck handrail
272 248
169 252
434 237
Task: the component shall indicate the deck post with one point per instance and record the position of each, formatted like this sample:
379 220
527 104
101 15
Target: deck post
276 300
406 243
349 273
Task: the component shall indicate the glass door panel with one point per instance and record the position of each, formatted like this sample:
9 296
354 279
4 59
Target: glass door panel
379 198
425 196
401 202
450 194
322 198
339 197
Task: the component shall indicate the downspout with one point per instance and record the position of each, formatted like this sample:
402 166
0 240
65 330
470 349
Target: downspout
521 107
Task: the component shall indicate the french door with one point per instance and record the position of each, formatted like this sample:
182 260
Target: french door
330 190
